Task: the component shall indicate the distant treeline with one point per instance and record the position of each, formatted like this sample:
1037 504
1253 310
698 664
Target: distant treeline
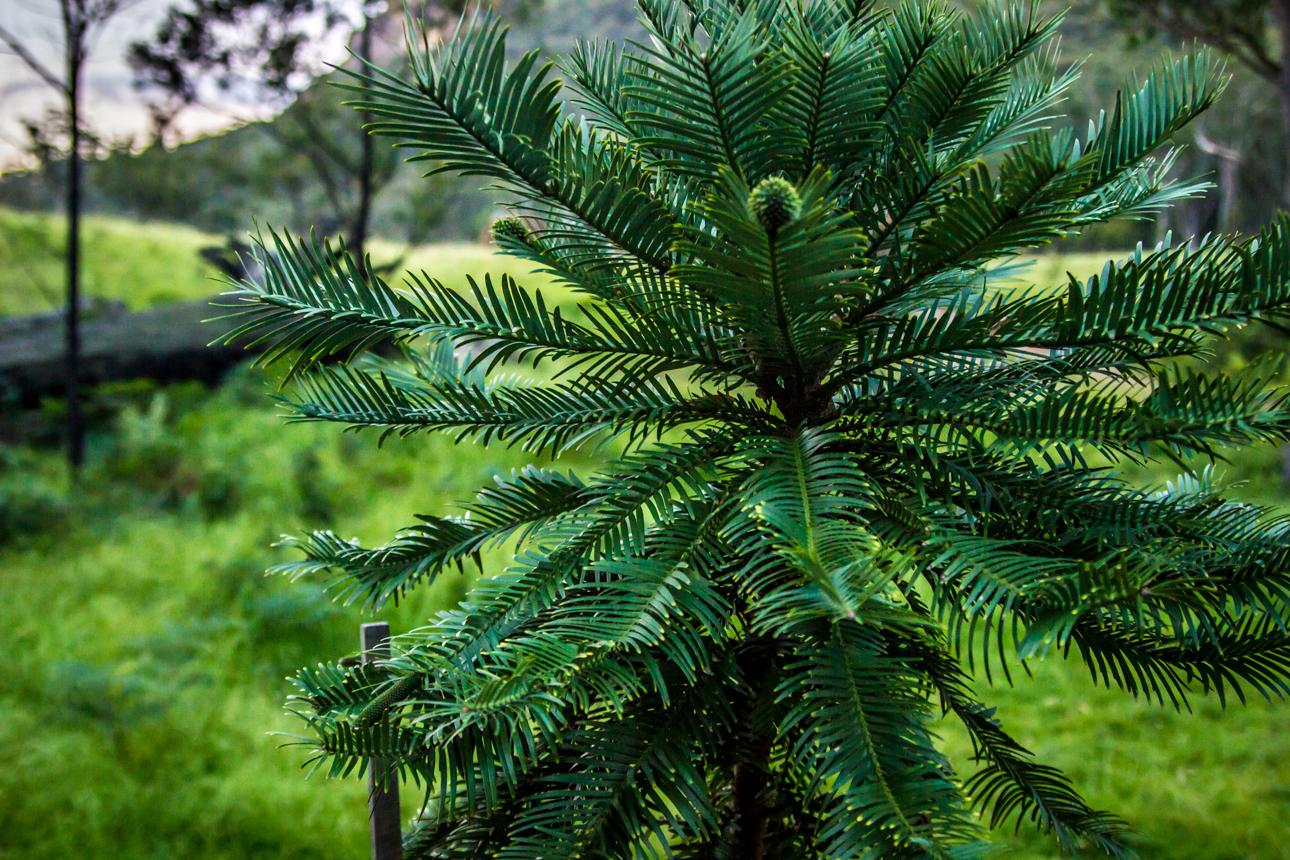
219 183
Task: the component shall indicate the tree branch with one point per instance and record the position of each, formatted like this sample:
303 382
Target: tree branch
1247 45
40 69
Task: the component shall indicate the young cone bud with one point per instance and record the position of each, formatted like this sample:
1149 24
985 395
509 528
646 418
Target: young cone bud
511 228
775 203
395 693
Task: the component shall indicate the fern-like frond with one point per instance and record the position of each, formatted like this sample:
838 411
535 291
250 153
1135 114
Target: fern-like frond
857 715
535 417
843 458
420 553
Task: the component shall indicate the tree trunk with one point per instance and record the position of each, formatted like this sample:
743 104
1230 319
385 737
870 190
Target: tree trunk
750 812
1281 14
1229 177
358 233
73 31
751 773
1229 174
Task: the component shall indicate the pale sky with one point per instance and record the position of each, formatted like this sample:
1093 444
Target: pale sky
112 106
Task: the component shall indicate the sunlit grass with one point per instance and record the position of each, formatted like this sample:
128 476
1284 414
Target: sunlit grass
138 264
1182 780
146 264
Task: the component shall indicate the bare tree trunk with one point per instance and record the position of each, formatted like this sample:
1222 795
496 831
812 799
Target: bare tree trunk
1281 14
358 234
1229 173
73 28
749 812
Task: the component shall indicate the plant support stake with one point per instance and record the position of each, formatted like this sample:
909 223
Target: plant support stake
382 800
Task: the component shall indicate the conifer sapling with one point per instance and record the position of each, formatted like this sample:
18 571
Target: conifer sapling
850 472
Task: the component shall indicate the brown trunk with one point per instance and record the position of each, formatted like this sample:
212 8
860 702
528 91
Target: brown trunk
1281 14
750 812
1229 173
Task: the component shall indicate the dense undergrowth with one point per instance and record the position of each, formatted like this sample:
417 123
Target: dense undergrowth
144 639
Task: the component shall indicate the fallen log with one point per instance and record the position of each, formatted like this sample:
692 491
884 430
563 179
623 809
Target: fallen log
166 343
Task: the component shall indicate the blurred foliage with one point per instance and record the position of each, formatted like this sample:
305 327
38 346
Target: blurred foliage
32 501
263 167
260 167
212 182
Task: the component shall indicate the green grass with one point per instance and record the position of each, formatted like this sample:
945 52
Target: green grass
139 264
1051 269
146 651
146 648
148 264
1207 785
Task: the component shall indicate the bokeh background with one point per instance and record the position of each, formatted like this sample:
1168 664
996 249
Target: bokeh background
144 649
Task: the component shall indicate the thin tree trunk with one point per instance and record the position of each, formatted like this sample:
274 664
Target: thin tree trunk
358 234
1229 173
73 32
1229 176
1281 14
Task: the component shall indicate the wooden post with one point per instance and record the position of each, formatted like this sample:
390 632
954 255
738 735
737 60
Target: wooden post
382 801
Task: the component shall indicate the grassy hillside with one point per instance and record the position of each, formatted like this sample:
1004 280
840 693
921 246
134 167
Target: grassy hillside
139 264
146 650
145 264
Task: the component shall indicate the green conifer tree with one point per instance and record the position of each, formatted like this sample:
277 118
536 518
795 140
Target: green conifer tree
845 458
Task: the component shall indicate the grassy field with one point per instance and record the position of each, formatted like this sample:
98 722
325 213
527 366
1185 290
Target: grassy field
146 650
139 264
147 264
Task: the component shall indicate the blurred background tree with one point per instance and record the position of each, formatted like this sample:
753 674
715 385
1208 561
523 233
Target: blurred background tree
1245 143
268 50
1255 34
81 20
